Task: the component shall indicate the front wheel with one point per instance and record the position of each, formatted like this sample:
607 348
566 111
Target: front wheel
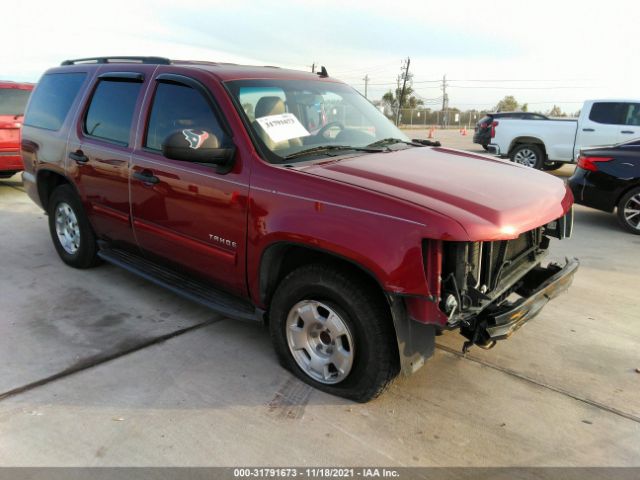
629 211
70 229
528 155
333 332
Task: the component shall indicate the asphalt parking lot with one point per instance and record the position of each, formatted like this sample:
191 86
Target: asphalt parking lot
101 368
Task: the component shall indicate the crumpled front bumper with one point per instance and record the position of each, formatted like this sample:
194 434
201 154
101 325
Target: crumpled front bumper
539 286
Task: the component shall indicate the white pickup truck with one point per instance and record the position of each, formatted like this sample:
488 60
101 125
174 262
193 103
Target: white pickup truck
548 144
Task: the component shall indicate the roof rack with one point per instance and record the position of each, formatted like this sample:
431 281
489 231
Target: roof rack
152 60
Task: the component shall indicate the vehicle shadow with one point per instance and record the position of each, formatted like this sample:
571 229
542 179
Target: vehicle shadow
598 219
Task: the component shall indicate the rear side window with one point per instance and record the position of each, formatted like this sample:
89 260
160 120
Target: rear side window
13 100
110 112
177 107
52 99
611 113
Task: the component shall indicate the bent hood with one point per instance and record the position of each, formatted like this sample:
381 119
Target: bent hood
491 199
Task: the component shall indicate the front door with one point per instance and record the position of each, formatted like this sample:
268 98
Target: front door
185 213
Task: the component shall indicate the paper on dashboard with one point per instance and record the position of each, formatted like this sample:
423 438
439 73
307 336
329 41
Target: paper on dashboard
284 126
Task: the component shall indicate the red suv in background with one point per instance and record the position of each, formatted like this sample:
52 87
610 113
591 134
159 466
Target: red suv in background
13 99
287 197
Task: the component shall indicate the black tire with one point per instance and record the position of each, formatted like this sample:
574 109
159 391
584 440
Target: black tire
629 201
534 152
365 313
550 166
86 254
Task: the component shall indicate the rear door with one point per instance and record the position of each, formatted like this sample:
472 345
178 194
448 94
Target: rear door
187 214
100 152
605 123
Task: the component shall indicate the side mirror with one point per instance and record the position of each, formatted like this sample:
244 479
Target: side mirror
200 146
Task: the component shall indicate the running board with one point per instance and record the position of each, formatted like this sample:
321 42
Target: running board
218 301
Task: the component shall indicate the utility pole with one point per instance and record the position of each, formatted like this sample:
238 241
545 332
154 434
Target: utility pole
313 67
405 75
366 84
445 101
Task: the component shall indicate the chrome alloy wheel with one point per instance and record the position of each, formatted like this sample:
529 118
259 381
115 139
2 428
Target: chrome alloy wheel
67 228
526 157
320 341
632 212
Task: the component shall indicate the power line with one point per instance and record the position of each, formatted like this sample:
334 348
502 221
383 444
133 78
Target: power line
521 88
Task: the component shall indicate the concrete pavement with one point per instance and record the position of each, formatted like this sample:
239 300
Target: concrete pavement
563 391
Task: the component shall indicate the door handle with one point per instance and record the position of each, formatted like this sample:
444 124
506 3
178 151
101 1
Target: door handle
146 176
78 157
627 131
588 130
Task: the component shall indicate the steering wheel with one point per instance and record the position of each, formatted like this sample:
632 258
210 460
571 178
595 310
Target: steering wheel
329 125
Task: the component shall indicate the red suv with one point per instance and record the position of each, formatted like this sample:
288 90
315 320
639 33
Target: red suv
13 99
354 243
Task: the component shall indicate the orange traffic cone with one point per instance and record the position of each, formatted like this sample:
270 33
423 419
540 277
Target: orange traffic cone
431 131
463 131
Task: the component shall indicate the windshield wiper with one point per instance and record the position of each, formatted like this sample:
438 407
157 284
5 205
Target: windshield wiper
331 148
390 141
414 142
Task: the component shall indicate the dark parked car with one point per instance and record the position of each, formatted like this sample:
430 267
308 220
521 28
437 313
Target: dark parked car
607 178
483 131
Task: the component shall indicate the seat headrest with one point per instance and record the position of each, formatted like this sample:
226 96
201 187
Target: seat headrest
269 106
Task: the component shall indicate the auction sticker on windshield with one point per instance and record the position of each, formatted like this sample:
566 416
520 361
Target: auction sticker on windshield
284 126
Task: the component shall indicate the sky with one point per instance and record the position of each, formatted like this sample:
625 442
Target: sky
543 53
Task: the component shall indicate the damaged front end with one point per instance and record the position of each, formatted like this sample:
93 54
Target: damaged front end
490 289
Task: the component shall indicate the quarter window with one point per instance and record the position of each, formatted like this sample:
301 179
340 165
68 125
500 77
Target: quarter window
178 107
52 99
111 110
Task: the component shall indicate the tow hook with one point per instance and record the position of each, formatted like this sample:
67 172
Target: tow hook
477 337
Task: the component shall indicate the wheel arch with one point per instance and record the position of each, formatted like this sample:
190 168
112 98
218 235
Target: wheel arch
527 140
47 181
281 258
625 191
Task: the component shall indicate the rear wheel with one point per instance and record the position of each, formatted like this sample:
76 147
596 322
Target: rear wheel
528 155
334 333
70 230
629 211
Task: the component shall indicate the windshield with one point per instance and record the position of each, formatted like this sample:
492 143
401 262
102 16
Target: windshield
290 117
13 101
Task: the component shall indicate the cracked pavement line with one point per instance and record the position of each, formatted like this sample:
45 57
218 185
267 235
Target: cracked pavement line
513 373
99 359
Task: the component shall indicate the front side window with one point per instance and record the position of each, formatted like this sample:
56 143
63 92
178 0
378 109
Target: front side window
52 100
175 108
111 110
290 117
13 101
